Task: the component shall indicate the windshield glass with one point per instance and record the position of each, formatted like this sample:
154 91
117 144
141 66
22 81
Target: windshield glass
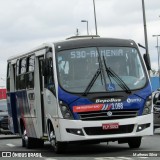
77 68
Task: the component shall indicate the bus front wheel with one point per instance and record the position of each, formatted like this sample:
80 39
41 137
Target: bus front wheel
59 147
134 142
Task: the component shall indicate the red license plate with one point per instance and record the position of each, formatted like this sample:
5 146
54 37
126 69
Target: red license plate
110 126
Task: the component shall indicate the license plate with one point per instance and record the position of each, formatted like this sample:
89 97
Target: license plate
110 126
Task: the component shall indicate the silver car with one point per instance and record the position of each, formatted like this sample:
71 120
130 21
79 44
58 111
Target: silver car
156 108
3 116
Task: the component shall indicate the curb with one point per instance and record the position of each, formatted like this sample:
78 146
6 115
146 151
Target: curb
9 137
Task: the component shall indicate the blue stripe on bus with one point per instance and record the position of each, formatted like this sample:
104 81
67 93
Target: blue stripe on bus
138 100
12 113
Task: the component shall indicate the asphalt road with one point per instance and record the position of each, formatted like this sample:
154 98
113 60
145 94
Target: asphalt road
150 149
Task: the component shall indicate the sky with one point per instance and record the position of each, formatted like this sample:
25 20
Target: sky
26 24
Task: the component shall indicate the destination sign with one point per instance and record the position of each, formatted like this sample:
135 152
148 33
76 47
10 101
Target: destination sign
94 53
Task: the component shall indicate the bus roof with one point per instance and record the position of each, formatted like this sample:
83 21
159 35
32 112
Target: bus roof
28 52
93 42
80 41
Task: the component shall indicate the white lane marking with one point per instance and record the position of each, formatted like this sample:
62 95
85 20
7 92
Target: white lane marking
125 158
10 145
113 158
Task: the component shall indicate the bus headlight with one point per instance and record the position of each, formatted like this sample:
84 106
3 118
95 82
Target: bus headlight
148 106
65 111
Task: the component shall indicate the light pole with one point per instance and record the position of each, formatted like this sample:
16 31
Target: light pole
145 26
87 25
145 34
158 57
95 16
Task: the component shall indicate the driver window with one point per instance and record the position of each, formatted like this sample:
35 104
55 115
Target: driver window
49 77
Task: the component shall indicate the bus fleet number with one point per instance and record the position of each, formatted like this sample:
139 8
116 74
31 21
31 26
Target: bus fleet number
117 106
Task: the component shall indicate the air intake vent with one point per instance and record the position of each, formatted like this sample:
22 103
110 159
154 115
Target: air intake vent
103 115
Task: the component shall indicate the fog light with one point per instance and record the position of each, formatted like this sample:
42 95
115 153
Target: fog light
139 128
142 127
75 131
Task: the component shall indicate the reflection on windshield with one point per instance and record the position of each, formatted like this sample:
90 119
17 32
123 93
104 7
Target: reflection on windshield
77 67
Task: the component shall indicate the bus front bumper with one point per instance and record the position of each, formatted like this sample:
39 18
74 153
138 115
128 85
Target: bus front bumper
77 130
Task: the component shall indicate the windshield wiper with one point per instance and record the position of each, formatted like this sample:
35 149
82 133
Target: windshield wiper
91 83
118 80
98 72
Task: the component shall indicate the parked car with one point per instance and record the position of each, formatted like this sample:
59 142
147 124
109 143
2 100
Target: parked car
156 108
3 116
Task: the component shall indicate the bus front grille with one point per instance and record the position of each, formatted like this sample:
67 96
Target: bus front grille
108 115
91 131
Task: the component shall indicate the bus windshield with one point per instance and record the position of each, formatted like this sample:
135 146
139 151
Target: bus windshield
78 68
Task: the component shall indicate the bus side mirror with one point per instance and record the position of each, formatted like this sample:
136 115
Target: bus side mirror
147 61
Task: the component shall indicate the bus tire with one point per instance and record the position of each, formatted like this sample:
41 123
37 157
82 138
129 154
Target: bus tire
23 143
59 147
23 138
30 142
134 142
27 141
39 143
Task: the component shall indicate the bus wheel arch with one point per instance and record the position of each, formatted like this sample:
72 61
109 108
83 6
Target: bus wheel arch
26 141
49 128
29 142
59 147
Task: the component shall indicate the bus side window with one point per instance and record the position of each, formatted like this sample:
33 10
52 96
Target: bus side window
8 76
23 69
30 72
17 76
49 77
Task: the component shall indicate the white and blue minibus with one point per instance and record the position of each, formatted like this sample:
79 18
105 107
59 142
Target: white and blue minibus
82 89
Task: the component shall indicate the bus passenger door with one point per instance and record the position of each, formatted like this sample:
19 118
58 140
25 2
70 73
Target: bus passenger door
50 100
41 60
11 99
